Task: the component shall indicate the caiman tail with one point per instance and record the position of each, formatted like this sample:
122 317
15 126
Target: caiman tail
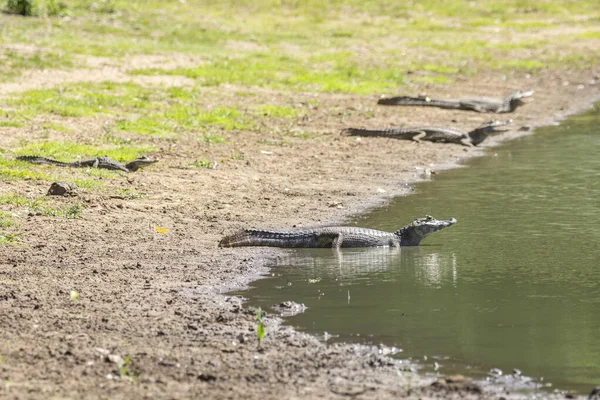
418 101
369 132
42 160
253 237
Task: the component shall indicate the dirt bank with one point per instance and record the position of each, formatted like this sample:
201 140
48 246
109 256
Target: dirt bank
156 299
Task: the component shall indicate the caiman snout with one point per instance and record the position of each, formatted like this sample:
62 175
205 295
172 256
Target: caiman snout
420 228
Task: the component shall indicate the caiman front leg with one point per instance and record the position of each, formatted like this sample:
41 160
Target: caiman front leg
467 142
337 242
420 135
332 240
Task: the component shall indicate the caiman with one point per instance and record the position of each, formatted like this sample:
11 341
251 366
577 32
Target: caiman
506 105
339 236
435 133
98 162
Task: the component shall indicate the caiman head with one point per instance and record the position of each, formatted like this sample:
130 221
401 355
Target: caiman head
140 162
484 130
420 228
515 99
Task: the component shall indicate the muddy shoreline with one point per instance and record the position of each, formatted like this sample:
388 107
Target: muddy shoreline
160 299
491 390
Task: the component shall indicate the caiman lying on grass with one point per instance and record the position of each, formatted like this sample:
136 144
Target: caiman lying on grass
339 236
506 105
435 134
98 162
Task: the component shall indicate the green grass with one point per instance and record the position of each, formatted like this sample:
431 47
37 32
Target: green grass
293 45
19 170
9 238
11 124
336 72
70 151
203 164
42 206
131 194
13 62
6 219
183 118
211 138
82 100
142 110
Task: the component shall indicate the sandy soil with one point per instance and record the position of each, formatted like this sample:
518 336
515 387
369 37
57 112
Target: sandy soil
158 299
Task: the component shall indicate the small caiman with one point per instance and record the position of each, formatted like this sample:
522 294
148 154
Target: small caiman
506 105
435 133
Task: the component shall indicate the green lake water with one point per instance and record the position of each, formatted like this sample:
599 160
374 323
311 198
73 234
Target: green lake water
514 284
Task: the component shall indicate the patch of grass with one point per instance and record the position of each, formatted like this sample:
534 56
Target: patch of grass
41 206
6 219
438 79
336 72
588 35
183 118
18 60
70 151
204 164
147 125
131 194
9 238
55 127
90 184
83 100
20 170
211 138
11 124
146 111
523 64
237 156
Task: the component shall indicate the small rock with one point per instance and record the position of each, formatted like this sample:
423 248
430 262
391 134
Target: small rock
62 189
115 359
595 394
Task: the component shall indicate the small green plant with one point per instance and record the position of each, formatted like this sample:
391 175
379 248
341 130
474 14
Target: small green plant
5 220
204 164
237 156
8 238
74 295
126 372
260 328
74 211
130 194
